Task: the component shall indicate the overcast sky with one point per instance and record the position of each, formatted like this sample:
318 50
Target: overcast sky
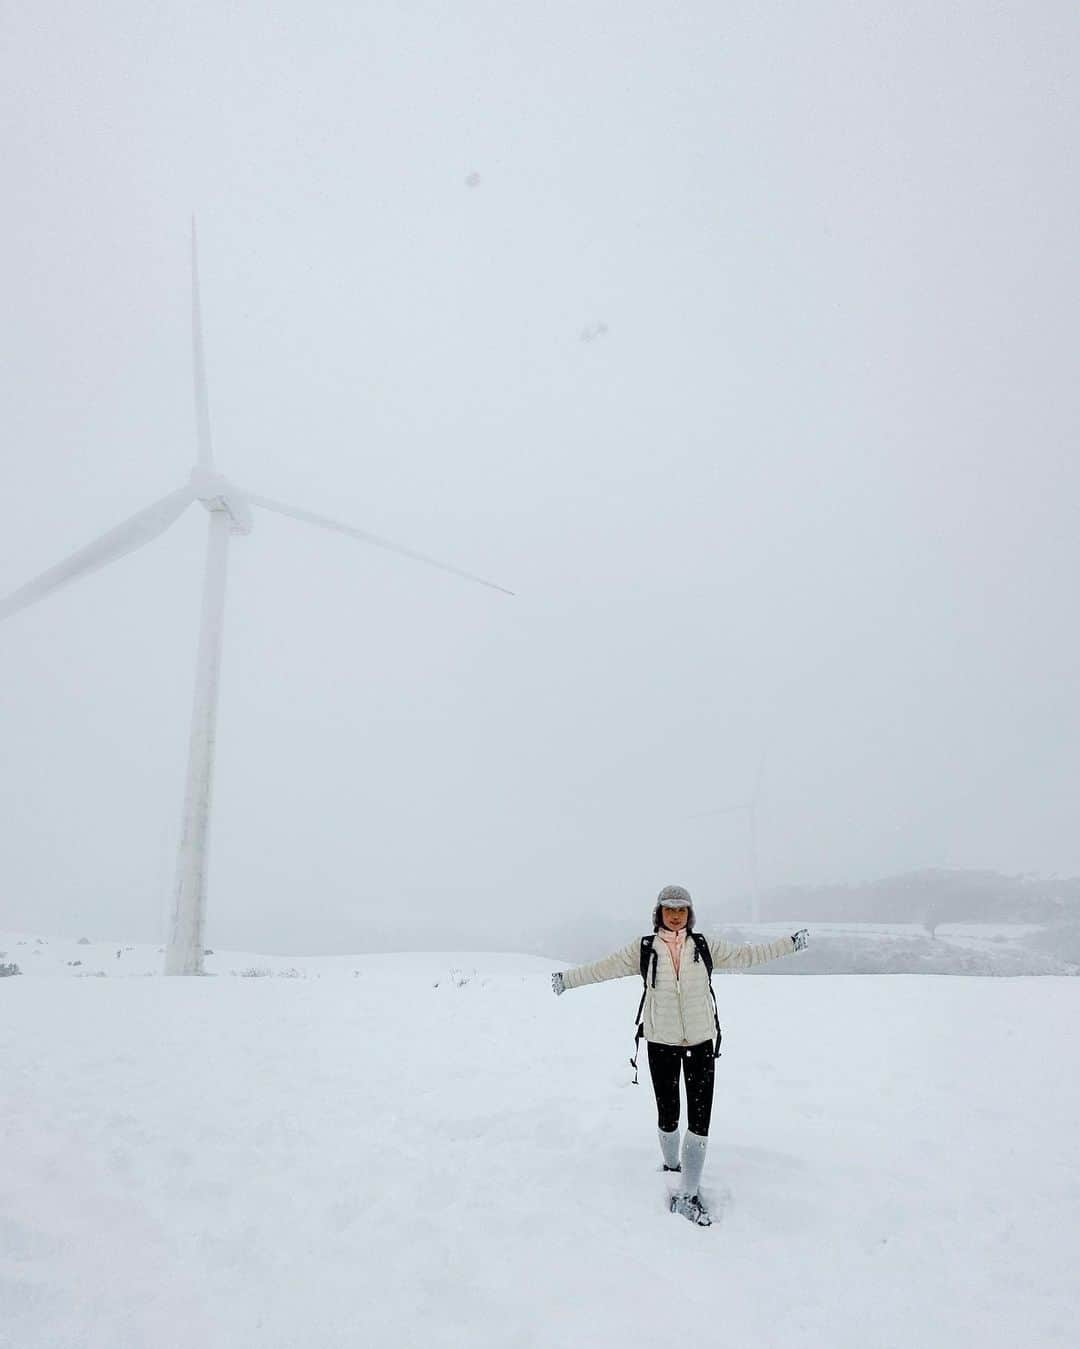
739 339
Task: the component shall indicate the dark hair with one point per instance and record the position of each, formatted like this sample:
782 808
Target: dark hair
658 922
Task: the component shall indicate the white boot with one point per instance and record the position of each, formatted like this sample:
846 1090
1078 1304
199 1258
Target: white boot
686 1201
693 1162
669 1147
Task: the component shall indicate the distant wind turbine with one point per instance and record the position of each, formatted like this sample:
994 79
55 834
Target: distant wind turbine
229 508
751 810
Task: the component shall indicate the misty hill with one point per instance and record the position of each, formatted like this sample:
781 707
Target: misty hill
899 924
930 897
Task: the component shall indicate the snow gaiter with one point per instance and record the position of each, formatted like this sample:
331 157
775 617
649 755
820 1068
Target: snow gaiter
693 1162
669 1146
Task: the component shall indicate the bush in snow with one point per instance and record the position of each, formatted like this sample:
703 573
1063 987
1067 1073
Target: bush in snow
83 941
6 970
459 978
256 972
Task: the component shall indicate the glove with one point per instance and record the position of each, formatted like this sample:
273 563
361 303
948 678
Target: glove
557 985
800 939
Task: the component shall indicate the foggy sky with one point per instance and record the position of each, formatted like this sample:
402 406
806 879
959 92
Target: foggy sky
738 339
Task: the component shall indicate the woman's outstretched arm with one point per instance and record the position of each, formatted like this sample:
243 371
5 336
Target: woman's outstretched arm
615 966
735 957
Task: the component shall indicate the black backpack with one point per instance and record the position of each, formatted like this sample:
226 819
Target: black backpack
648 959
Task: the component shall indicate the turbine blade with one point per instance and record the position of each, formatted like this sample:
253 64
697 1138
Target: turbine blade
141 528
723 810
202 398
321 520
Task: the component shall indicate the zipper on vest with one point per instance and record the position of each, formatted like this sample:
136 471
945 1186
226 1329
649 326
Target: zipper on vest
678 995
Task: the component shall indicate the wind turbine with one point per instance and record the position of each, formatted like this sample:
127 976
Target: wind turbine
229 510
751 809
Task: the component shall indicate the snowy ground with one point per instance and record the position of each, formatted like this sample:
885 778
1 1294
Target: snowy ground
378 1151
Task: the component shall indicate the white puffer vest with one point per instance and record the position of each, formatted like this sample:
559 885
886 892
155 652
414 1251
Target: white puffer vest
679 1010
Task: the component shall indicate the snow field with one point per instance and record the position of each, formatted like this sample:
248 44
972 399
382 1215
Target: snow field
402 1158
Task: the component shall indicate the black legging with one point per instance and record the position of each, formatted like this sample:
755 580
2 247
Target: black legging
699 1068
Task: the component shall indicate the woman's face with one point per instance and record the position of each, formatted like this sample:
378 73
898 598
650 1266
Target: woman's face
674 918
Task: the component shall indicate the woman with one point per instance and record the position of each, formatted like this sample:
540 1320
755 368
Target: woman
679 1022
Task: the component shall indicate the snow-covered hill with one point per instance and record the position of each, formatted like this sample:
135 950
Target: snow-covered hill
836 948
431 1150
82 959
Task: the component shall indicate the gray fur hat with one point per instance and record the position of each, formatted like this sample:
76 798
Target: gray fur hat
673 897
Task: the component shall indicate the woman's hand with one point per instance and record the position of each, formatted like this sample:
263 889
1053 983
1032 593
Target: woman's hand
800 939
557 985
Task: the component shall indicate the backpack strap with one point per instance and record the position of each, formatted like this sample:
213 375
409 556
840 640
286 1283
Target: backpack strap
647 957
702 953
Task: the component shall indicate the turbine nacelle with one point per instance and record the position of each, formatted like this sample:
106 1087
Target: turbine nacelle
217 493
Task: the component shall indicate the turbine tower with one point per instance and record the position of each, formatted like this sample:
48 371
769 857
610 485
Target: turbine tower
751 810
229 511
